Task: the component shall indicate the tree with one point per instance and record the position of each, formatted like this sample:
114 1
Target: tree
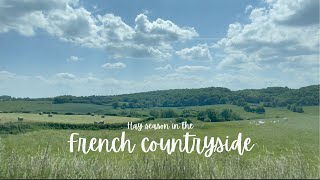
299 110
212 115
235 116
207 120
223 101
62 99
181 119
168 113
247 108
115 105
260 110
123 106
201 115
154 113
296 108
226 114
211 100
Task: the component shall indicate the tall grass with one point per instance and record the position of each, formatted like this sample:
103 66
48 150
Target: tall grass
45 164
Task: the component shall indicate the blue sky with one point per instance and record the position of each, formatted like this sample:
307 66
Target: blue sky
103 47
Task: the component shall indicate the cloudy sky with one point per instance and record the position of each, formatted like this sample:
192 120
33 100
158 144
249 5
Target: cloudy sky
103 47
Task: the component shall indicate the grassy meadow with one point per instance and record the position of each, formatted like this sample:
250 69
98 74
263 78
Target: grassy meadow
287 146
58 118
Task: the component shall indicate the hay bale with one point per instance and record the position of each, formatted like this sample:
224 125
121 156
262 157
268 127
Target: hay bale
49 115
98 122
40 113
20 118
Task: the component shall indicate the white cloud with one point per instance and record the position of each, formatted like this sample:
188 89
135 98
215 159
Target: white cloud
200 52
167 67
66 76
248 8
145 11
129 50
296 13
73 59
69 21
118 65
5 75
75 25
269 40
191 69
161 30
146 40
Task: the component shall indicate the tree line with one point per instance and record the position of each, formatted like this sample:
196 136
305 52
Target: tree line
268 97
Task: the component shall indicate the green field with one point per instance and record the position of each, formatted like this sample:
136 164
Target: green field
57 118
82 109
287 146
47 106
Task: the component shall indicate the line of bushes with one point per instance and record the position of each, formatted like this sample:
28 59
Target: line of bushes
258 109
295 108
211 115
16 128
22 127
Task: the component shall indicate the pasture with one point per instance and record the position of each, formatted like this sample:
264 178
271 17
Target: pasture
287 146
83 109
47 106
58 118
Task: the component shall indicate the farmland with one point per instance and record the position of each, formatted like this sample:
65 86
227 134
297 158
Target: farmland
286 145
72 119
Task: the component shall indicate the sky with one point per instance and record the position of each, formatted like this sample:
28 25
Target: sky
107 47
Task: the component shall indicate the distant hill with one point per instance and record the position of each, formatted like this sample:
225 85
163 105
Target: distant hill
270 97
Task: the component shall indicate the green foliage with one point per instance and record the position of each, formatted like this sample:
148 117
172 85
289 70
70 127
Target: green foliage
212 115
247 108
260 110
154 113
295 108
134 113
110 114
235 116
181 119
62 99
22 127
226 114
115 105
269 97
168 113
189 113
299 109
69 113
201 115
